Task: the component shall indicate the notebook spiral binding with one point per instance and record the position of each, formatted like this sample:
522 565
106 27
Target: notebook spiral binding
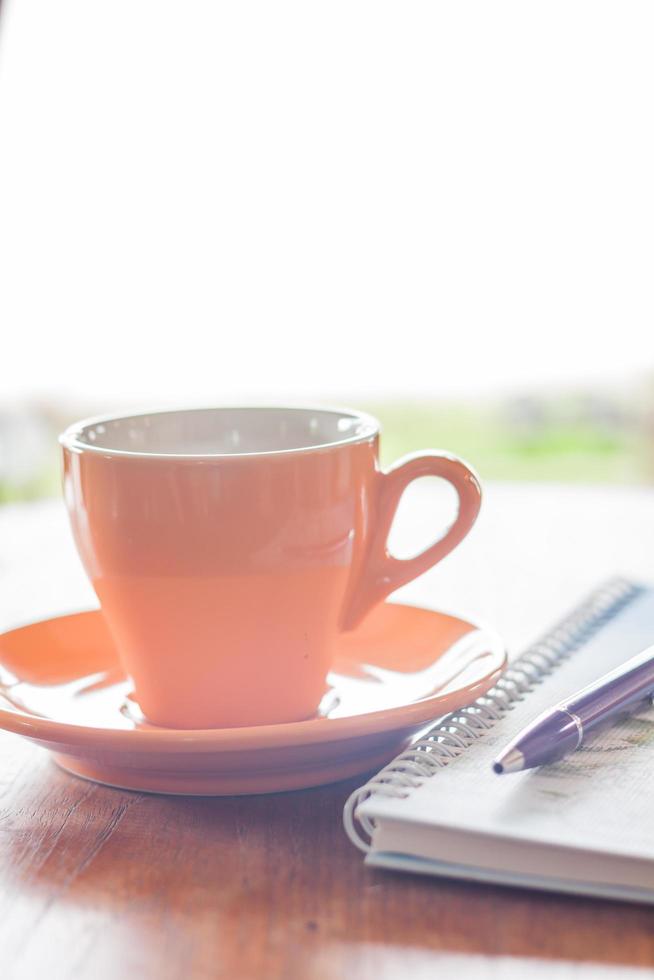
454 733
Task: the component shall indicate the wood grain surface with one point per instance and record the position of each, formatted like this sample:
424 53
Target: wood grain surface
100 883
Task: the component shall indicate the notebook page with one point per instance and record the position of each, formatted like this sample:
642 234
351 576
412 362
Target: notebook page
600 798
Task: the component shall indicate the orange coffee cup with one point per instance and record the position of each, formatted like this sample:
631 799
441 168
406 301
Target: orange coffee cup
228 547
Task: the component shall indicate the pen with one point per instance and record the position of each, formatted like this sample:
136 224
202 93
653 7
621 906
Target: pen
563 728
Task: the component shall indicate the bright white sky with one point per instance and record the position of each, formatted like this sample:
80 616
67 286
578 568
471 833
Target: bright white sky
208 201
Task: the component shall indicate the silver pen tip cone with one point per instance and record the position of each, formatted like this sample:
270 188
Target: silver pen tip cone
511 761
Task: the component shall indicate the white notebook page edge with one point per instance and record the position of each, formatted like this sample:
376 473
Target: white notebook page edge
413 865
521 857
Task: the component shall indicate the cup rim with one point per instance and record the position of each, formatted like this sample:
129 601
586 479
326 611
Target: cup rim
71 441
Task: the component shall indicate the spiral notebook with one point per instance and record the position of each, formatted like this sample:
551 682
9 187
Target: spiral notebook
582 825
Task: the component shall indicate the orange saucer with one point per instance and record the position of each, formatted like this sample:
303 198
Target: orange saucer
61 685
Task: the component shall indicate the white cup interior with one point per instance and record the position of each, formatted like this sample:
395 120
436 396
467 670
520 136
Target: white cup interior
221 431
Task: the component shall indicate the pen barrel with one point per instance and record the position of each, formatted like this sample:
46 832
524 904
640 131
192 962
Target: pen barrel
549 737
602 703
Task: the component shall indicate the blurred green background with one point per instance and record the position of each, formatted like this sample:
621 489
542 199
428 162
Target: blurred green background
565 436
573 437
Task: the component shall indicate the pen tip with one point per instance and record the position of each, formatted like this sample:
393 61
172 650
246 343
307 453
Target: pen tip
510 761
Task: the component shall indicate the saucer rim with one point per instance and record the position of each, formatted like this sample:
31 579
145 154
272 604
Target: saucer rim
281 735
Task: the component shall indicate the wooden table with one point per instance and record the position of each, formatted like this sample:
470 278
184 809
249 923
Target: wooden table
98 883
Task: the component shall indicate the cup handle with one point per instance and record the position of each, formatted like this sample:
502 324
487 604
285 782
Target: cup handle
382 573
